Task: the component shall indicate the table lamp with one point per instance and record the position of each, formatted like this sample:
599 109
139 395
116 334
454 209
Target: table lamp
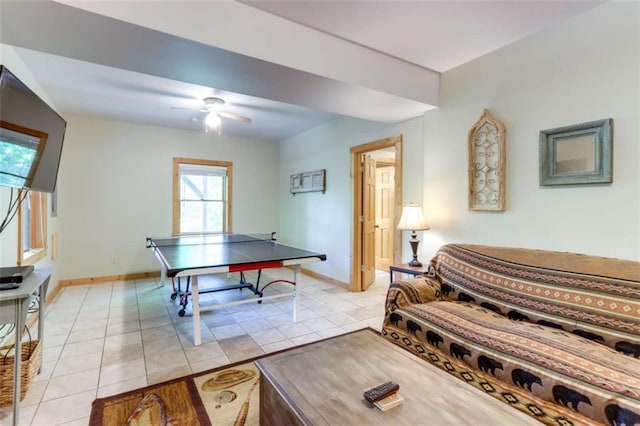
413 220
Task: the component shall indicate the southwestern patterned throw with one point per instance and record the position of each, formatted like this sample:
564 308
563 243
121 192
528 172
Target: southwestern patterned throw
556 335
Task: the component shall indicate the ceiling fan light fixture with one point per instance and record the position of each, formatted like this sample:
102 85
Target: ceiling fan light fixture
213 110
212 120
213 104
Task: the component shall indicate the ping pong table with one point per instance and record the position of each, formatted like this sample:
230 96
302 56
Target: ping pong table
194 255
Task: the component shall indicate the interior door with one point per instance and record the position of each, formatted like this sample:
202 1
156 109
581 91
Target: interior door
368 222
385 186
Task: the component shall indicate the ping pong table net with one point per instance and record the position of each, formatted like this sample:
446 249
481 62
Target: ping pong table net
200 239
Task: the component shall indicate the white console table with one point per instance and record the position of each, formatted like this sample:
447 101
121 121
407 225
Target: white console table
14 305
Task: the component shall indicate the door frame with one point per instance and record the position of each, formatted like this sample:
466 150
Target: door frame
355 283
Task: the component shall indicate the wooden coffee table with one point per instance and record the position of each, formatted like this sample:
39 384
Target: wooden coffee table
322 384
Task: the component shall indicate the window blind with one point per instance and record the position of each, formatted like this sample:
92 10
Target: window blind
201 170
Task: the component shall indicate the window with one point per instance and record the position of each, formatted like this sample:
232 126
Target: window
201 196
32 228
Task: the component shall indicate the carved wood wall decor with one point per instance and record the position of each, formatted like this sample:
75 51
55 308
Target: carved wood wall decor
487 158
308 182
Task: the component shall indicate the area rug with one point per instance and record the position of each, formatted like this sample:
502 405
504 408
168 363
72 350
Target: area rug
229 395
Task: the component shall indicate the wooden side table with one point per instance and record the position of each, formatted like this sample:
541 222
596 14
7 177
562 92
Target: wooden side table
406 269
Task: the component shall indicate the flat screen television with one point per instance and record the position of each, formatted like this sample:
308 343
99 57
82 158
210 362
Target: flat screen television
31 136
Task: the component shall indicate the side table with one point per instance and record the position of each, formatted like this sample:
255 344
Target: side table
406 269
14 305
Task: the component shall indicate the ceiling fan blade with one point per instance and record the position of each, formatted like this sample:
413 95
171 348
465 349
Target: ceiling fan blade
189 109
234 116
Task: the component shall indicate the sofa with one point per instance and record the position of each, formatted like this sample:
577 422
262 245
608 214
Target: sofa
555 335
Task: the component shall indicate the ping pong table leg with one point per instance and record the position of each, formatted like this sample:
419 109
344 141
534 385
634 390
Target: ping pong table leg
163 275
297 295
195 307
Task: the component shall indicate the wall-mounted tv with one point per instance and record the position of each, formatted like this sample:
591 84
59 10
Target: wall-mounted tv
31 136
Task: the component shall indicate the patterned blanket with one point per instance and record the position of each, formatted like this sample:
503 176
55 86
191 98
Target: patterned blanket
557 332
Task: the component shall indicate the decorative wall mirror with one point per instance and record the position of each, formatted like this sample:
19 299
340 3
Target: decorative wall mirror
578 154
487 160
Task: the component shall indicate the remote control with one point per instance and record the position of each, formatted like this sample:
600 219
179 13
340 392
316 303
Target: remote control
8 286
381 391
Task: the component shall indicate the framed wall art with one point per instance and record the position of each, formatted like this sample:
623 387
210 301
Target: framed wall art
577 154
487 158
308 182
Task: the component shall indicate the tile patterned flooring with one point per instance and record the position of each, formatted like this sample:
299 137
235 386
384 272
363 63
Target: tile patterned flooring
104 339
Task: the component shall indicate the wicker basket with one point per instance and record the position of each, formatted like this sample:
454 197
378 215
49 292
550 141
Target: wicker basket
31 360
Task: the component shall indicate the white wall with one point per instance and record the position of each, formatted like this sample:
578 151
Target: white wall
323 222
583 70
115 189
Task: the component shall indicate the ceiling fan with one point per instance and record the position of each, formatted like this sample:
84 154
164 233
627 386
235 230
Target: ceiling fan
214 109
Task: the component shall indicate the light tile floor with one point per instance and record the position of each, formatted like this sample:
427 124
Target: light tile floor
104 339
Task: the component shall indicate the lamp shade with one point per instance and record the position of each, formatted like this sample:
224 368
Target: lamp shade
412 219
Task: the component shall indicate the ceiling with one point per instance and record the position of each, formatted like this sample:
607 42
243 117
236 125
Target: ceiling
289 65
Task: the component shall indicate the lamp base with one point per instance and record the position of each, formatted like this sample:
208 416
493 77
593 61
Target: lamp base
414 247
415 262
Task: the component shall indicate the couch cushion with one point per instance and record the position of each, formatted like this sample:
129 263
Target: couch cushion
593 297
552 364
